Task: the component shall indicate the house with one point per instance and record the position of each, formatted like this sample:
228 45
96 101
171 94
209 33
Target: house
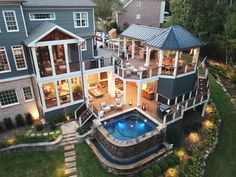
142 12
41 45
48 67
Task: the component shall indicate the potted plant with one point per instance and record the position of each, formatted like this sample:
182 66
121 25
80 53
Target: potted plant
77 91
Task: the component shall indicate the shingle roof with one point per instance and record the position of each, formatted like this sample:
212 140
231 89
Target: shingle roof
141 32
39 31
59 3
43 29
174 38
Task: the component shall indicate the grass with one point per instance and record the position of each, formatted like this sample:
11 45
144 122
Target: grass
222 163
32 164
88 164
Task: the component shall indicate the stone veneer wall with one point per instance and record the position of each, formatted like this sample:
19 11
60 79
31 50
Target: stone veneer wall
23 106
126 149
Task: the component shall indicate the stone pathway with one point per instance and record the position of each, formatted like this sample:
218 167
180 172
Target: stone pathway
69 141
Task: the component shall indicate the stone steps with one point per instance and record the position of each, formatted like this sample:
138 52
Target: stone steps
69 143
68 139
69 147
70 153
69 135
70 159
70 171
70 164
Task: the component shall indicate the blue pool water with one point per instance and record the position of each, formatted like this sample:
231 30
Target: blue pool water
129 125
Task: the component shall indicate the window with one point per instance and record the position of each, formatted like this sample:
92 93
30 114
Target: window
80 19
138 16
10 21
84 46
8 98
4 64
139 3
42 16
19 56
28 94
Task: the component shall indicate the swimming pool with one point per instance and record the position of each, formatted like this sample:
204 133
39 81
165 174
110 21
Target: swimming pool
129 125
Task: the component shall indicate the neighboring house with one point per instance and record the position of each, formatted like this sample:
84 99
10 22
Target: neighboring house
142 12
41 43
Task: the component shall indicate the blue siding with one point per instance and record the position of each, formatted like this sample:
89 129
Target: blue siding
88 54
64 18
8 39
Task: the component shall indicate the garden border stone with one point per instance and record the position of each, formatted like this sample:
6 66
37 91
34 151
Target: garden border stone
33 146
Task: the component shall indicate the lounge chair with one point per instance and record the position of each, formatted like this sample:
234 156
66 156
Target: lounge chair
105 107
118 103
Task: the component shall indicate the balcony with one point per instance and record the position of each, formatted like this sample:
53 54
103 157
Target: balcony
98 62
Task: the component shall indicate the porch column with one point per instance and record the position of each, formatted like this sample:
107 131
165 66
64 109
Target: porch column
161 56
133 48
52 60
196 53
57 93
70 89
124 44
204 109
67 57
118 48
139 95
147 57
36 66
176 63
86 86
111 84
124 92
42 95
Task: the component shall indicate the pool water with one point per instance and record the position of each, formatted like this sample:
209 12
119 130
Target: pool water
129 125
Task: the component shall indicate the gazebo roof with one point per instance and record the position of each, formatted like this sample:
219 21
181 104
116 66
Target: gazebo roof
172 38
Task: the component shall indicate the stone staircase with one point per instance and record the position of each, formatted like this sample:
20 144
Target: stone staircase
68 142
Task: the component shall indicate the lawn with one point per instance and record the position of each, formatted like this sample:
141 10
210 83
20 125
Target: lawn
32 164
88 164
222 163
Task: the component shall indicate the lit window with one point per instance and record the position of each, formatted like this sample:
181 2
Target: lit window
19 56
84 46
138 16
139 3
80 19
8 98
4 64
28 94
10 21
42 16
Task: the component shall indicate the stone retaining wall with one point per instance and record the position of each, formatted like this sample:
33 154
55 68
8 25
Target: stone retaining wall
126 149
34 146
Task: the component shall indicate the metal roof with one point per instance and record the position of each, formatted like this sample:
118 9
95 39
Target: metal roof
174 38
59 3
12 0
141 32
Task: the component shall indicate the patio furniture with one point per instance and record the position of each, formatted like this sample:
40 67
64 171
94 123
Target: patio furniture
163 109
101 114
118 103
105 107
96 93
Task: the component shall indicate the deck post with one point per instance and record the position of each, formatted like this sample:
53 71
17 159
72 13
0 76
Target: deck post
111 84
86 86
33 50
139 95
204 109
52 60
133 48
176 63
57 93
196 53
124 44
147 57
66 52
124 92
161 56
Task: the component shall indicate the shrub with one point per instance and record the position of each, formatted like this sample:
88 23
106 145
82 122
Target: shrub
38 124
182 174
164 166
175 158
170 162
1 127
8 123
52 125
29 118
148 173
84 129
156 170
20 120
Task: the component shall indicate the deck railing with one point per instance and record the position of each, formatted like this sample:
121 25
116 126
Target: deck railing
98 63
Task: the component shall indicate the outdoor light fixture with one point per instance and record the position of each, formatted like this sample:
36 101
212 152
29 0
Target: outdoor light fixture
208 124
171 172
130 102
145 120
194 137
105 122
